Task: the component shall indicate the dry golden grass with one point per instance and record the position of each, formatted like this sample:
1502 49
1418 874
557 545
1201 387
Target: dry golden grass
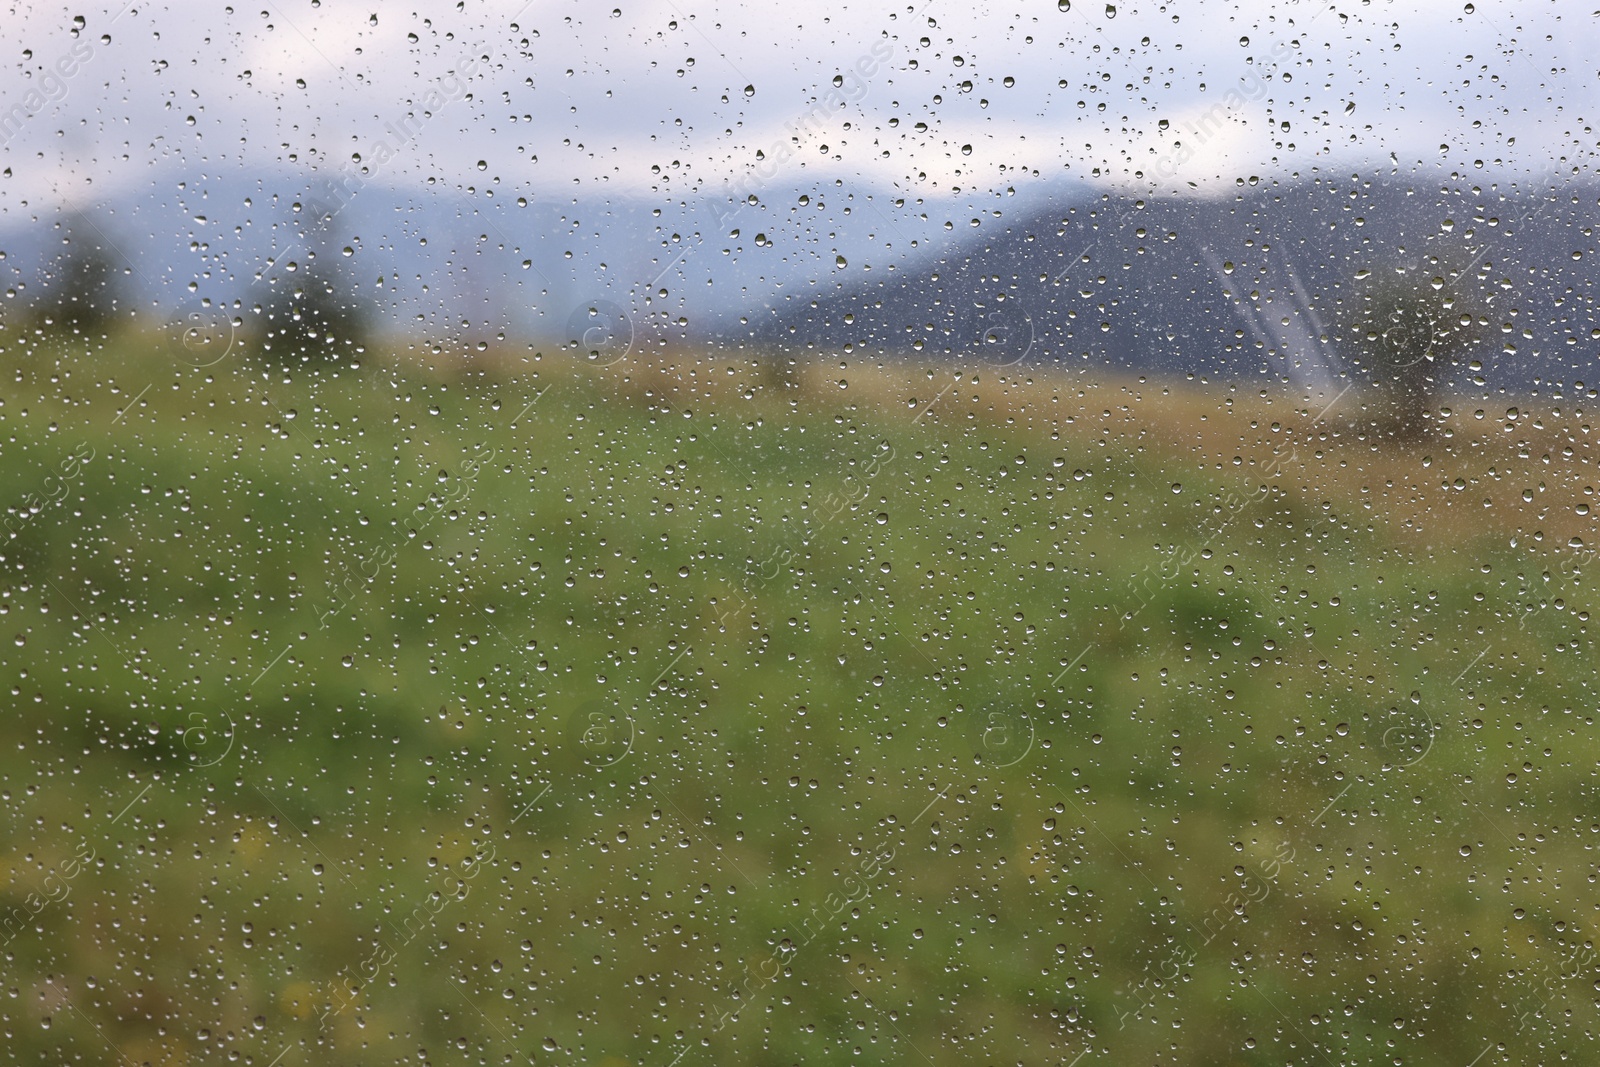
1525 471
1521 469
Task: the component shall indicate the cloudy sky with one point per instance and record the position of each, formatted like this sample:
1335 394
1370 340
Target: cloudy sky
679 102
659 97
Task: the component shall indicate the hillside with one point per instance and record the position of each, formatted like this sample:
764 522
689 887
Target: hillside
1246 289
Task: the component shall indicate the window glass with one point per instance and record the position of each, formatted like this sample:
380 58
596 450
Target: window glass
692 532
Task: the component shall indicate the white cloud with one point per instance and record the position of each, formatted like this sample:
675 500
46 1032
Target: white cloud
652 101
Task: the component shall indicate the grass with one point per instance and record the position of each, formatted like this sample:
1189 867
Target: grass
699 712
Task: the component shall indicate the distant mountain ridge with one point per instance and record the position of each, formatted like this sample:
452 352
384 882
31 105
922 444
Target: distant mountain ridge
438 261
1249 287
1058 272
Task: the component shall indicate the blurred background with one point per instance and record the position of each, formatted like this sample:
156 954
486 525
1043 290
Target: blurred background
694 533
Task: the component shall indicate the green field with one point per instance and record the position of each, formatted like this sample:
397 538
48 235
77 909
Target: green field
706 714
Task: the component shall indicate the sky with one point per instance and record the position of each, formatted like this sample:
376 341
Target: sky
691 102
677 96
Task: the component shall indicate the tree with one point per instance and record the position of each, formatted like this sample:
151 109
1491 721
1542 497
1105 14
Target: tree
310 322
80 288
1405 338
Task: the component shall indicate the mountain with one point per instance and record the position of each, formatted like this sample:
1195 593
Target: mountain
1251 286
442 262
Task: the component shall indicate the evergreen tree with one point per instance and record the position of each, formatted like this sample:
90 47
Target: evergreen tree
80 288
1405 339
310 322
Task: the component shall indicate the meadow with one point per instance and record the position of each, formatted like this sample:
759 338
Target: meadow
701 709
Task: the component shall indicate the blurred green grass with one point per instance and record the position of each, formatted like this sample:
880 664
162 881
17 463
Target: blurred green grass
685 662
